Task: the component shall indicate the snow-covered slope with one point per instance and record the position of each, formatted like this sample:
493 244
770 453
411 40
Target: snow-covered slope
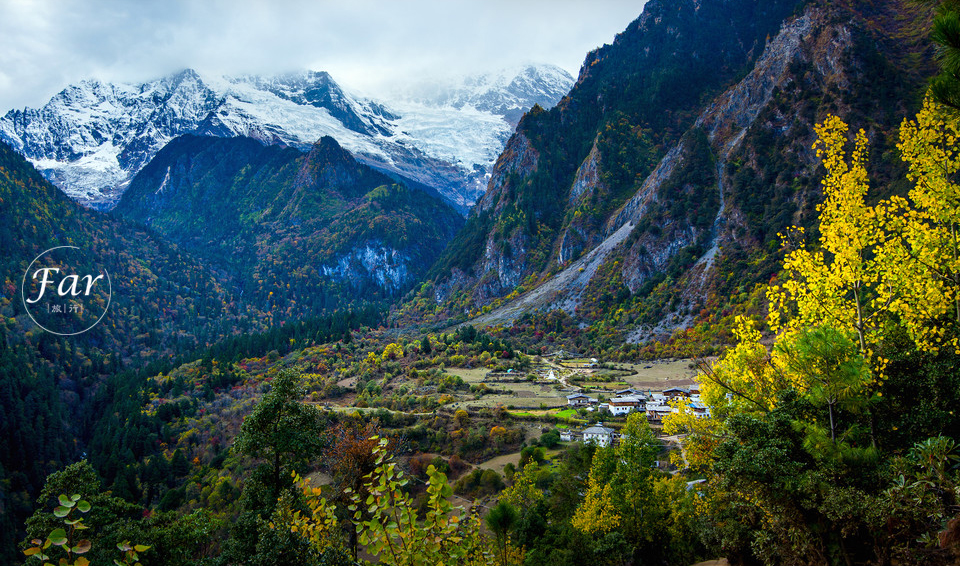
91 138
507 93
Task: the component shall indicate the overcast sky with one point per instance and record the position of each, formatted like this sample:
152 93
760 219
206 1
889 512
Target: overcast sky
366 45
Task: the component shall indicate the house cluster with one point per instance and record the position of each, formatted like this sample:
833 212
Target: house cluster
655 405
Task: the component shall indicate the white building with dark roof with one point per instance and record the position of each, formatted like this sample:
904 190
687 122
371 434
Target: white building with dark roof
580 400
599 434
577 400
674 392
570 435
626 404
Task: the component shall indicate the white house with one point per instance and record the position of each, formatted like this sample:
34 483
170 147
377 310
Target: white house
577 400
674 392
700 410
599 434
624 405
569 435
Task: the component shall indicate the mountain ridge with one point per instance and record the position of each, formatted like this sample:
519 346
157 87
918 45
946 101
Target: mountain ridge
91 138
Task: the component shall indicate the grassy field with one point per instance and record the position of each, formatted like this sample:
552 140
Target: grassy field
350 409
526 413
498 463
529 399
525 395
659 375
609 386
472 375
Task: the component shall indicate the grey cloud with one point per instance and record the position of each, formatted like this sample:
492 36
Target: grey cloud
369 45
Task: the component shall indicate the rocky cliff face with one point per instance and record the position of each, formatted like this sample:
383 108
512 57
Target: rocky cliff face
693 213
566 170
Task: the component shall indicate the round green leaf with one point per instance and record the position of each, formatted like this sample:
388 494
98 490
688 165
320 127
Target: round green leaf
58 537
83 506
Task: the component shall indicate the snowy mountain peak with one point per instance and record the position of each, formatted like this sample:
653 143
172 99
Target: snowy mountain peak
92 138
507 93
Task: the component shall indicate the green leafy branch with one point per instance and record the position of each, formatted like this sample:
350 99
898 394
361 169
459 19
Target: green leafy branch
61 536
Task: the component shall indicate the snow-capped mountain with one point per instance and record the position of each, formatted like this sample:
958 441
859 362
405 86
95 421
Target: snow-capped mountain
93 137
506 93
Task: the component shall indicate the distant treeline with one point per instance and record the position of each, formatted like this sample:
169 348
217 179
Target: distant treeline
295 335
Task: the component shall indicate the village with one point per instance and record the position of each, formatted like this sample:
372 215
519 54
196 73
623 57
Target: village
587 399
655 404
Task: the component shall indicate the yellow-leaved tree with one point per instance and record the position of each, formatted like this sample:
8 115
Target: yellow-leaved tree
627 494
847 286
792 424
898 260
895 263
388 525
840 283
620 486
524 492
743 380
923 252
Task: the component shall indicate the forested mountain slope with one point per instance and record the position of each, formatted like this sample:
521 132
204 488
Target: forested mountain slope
163 302
299 232
650 200
657 188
